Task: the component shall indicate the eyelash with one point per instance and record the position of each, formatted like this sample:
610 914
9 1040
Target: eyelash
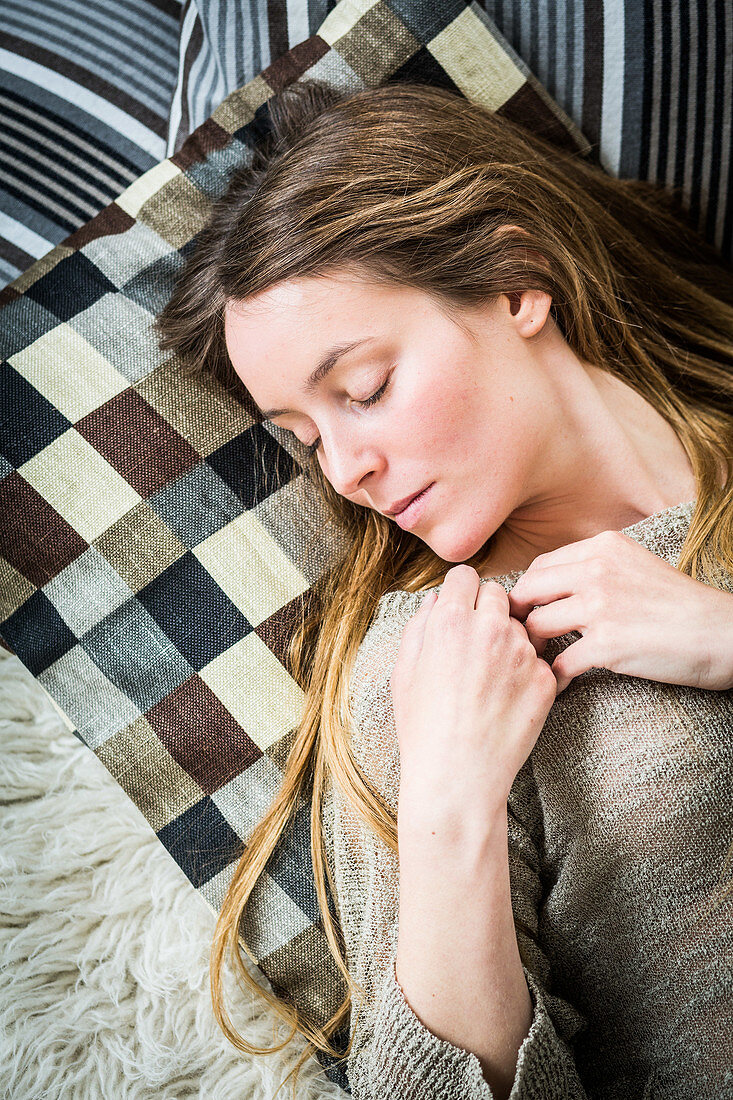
365 404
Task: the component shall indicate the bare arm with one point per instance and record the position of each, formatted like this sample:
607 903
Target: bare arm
457 960
449 759
470 697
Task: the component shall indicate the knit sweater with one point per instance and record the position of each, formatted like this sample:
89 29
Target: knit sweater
618 826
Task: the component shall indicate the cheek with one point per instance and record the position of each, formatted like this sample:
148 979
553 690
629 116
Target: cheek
435 418
440 414
451 425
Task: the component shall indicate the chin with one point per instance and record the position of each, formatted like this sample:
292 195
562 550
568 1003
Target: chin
457 550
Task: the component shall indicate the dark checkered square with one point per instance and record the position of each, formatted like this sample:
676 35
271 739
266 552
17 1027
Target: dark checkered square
201 841
202 736
70 287
38 632
138 442
253 465
196 615
28 422
34 538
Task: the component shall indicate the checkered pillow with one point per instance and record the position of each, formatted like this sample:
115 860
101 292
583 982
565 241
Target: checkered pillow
150 573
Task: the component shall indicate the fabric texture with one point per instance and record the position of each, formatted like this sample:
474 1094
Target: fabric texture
159 539
649 84
85 93
618 826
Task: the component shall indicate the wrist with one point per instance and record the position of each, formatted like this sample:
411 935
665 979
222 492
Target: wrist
726 668
719 636
727 649
433 826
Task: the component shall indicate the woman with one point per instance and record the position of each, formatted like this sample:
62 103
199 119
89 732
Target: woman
502 358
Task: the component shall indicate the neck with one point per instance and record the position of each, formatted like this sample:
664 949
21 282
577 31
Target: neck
616 462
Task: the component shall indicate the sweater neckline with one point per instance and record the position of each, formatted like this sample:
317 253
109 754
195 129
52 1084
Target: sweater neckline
685 509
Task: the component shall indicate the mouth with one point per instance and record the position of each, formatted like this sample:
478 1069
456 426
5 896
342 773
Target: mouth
409 515
402 505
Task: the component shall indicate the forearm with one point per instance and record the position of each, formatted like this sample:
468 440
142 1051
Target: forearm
457 957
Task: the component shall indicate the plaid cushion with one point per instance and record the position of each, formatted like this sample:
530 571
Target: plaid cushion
150 573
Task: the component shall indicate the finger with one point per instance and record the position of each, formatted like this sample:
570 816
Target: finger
460 587
413 633
571 551
552 620
491 595
538 643
544 585
571 662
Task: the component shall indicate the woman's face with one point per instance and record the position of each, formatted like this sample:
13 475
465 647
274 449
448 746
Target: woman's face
422 402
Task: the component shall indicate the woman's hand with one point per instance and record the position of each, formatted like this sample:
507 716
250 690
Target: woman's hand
470 697
638 614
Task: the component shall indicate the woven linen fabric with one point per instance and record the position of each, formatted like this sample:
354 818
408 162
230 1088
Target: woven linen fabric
85 93
650 85
158 538
618 827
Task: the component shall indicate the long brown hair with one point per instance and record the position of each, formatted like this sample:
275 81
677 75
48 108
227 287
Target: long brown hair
415 185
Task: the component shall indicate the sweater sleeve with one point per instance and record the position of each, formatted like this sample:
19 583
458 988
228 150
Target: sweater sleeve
393 1053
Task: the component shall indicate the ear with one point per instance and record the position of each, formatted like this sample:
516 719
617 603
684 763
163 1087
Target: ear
529 310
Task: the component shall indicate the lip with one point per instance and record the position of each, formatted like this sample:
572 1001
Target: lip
400 505
408 517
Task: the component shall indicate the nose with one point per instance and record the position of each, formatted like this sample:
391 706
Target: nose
349 460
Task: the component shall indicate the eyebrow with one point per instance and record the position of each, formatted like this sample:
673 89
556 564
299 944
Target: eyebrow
324 368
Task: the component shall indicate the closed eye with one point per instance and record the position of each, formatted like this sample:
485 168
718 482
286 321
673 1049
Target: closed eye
365 404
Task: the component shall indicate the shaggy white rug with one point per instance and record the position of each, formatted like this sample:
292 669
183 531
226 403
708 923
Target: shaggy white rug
103 940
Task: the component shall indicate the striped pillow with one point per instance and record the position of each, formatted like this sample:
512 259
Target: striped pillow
84 105
649 85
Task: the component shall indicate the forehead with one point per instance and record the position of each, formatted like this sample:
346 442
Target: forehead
298 308
277 337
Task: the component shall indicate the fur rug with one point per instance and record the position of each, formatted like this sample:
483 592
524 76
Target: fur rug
104 942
